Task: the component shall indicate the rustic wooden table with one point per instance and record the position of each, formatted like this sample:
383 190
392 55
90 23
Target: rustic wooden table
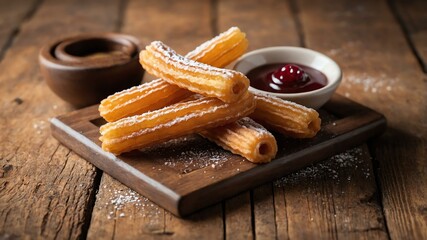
377 190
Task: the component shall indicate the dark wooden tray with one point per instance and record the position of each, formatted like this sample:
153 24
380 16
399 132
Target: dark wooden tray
190 173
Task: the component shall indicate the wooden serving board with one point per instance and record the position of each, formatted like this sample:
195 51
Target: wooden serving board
189 173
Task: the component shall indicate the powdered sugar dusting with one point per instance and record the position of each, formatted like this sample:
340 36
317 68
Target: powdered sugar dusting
133 94
169 56
251 124
297 122
39 125
333 168
130 121
125 203
169 124
179 120
275 100
191 160
372 84
188 153
204 107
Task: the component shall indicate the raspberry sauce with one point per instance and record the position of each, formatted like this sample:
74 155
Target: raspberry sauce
286 78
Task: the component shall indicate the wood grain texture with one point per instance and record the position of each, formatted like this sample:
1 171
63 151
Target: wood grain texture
45 190
167 175
12 15
122 213
280 23
411 15
403 181
331 200
264 213
392 82
389 80
182 25
205 224
238 217
270 23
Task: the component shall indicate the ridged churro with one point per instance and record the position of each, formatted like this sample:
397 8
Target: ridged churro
286 117
246 138
173 121
136 100
160 60
220 51
167 108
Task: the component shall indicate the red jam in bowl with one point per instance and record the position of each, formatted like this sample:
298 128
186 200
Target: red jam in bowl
286 78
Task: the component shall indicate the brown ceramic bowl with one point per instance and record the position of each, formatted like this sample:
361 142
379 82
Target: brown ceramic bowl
85 69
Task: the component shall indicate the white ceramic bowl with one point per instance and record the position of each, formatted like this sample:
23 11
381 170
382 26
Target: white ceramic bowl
303 56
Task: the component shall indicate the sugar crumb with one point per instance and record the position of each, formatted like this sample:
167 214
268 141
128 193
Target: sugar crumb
333 168
128 203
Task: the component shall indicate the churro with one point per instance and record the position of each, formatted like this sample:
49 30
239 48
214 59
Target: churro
173 121
219 51
245 138
286 117
169 108
160 60
136 101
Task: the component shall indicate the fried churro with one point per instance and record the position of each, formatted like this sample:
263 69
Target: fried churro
220 51
167 108
246 138
224 84
288 118
173 121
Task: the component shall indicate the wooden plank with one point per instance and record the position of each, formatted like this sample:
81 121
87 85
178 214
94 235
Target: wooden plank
336 195
411 14
205 224
393 75
183 25
181 186
12 15
125 214
388 79
284 26
264 214
238 217
268 24
45 190
403 183
180 25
